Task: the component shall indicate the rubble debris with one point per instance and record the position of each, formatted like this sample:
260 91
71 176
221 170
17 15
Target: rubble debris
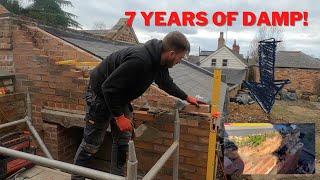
287 96
277 150
244 98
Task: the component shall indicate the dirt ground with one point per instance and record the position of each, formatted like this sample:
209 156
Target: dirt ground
283 112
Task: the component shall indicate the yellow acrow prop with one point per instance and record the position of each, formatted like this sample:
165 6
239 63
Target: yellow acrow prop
78 64
66 62
212 153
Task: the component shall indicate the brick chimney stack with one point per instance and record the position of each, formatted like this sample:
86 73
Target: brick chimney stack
221 41
235 47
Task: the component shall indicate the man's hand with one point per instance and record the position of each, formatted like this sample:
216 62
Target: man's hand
194 101
123 123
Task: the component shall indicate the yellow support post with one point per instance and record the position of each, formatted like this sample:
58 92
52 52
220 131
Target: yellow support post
66 62
79 65
212 148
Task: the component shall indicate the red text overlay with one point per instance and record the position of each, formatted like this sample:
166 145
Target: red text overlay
219 18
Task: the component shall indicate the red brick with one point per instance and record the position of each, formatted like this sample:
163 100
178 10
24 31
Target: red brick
160 148
41 84
187 122
193 108
196 147
198 132
189 138
144 145
196 162
203 140
80 107
47 91
187 152
34 77
186 167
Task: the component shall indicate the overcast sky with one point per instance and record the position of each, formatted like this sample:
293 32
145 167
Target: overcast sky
298 38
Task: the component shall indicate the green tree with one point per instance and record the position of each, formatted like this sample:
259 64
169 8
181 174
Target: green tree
48 12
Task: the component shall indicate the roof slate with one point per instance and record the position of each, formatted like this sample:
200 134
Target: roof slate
296 59
205 53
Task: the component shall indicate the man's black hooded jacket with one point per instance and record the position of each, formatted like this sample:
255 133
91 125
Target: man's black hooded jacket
126 74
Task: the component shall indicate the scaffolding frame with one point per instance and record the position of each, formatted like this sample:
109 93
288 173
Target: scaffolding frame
132 163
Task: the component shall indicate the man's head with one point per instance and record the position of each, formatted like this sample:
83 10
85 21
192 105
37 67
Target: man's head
175 47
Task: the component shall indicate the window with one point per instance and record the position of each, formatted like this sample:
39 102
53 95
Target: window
225 62
213 62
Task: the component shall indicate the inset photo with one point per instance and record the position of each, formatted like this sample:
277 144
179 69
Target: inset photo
264 148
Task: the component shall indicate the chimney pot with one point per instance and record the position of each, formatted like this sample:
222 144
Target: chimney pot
221 41
235 47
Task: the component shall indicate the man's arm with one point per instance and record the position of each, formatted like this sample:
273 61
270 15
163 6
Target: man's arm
165 82
119 82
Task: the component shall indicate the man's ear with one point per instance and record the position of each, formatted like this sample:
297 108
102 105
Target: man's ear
172 53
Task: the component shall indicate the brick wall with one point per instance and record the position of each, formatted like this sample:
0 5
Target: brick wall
6 56
193 149
32 58
193 138
125 34
62 142
304 80
35 53
12 107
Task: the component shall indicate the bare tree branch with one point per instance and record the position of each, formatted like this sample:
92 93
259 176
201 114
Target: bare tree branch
265 32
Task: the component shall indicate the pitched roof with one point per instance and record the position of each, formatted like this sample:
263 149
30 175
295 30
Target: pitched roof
194 59
205 53
239 56
112 33
296 59
196 81
97 46
193 79
97 32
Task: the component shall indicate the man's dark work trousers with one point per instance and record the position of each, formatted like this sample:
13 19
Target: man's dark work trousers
98 118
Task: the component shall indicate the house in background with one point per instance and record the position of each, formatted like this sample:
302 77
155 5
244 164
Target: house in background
119 32
224 57
203 54
232 63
